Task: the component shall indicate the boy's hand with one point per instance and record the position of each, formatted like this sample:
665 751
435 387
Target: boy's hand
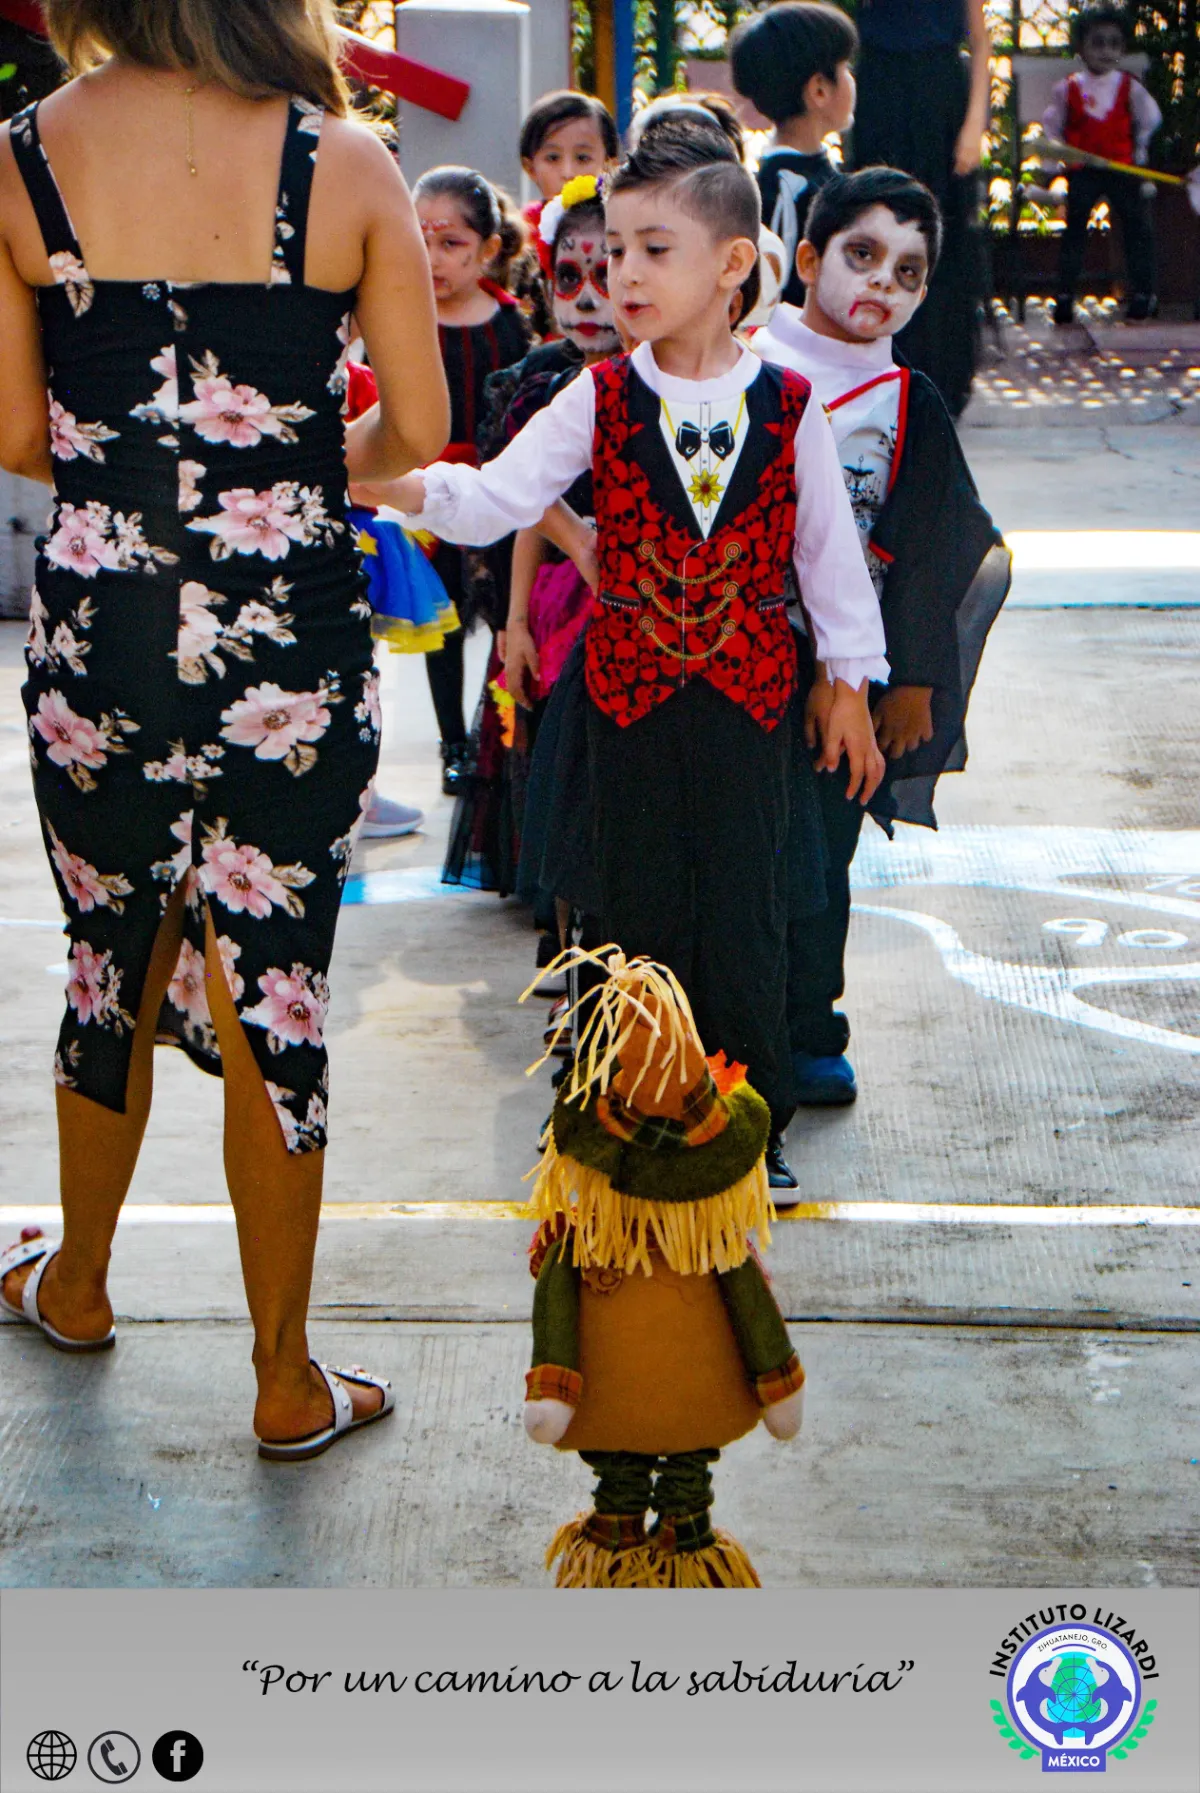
848 733
405 494
521 665
903 719
816 710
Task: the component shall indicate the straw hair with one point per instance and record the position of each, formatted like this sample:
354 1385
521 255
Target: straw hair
255 48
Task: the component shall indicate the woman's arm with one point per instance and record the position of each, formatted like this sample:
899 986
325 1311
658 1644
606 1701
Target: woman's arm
24 408
969 148
395 311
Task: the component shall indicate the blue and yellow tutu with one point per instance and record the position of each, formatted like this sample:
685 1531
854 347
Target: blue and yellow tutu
410 609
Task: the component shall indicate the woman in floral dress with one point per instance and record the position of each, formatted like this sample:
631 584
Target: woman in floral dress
203 709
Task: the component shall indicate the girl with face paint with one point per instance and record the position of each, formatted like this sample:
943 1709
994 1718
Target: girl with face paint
934 556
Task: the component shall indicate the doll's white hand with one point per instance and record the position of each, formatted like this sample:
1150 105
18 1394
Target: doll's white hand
782 1419
546 1421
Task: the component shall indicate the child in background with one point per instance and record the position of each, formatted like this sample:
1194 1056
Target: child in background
564 136
935 557
793 61
470 239
1105 110
712 474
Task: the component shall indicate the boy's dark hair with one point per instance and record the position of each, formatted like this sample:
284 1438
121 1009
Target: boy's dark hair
847 196
776 53
1087 21
555 109
700 166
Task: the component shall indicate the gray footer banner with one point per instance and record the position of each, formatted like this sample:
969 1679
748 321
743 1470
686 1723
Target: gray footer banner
483 1691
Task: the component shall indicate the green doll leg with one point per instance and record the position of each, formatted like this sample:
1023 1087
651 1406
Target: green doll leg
682 1498
620 1498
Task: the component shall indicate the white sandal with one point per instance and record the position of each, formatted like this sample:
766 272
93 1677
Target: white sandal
344 1422
38 1252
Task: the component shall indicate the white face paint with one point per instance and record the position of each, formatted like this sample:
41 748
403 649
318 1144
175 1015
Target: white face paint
582 307
872 275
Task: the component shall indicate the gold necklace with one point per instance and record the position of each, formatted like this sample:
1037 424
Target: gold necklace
190 129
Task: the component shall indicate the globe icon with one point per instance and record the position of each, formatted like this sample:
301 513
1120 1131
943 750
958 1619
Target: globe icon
1075 1690
51 1755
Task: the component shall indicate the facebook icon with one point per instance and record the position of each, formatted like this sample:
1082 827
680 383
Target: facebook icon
178 1756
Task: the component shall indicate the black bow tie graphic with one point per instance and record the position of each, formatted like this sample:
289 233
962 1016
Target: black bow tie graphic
689 440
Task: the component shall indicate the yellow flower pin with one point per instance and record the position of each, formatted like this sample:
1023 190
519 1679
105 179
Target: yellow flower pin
581 188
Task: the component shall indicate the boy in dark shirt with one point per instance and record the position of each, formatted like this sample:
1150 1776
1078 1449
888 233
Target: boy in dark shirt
792 61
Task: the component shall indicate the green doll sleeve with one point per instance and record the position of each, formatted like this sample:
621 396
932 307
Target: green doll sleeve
555 1372
762 1337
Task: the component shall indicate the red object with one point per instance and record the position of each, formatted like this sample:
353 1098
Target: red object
414 81
500 293
362 389
652 632
532 214
1110 136
25 13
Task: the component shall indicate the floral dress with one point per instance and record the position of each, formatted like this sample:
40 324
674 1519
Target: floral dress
201 696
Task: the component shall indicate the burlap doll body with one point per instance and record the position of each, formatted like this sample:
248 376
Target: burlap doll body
657 1340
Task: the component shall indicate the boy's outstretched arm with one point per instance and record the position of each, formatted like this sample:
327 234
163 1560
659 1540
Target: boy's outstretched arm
478 505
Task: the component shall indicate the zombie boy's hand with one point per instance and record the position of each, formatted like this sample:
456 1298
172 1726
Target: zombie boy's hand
903 719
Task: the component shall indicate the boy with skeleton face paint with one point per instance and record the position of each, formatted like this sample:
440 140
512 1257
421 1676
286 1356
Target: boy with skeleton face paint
938 564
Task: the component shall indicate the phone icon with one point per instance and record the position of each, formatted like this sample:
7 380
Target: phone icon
114 1758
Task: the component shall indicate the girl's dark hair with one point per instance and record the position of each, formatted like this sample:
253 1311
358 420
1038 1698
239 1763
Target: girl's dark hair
847 196
1085 22
487 210
775 54
588 215
555 109
707 183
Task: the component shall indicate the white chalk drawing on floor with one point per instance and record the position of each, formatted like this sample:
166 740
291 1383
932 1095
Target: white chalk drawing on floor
1040 861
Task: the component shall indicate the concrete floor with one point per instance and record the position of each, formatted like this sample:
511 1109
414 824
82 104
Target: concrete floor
995 1398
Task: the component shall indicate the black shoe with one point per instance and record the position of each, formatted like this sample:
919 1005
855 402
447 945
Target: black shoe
456 767
1064 309
1141 306
780 1174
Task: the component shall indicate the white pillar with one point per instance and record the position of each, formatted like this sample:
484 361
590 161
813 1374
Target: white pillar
484 42
24 509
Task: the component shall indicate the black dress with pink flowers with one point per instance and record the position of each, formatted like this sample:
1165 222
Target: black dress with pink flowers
202 701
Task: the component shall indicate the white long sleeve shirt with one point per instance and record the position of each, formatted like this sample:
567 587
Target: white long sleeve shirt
480 505
1099 94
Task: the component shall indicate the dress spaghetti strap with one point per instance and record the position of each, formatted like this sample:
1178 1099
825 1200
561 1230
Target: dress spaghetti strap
50 208
300 147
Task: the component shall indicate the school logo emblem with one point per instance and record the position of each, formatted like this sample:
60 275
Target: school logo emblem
1074 1697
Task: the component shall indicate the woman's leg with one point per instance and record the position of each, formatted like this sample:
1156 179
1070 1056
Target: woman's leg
97 1153
276 1198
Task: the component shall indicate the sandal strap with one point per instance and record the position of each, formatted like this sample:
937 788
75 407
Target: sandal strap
343 1406
29 1294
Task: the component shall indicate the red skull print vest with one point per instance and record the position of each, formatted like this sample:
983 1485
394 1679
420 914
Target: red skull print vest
674 605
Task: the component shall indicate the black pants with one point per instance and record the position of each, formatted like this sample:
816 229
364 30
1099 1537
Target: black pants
817 944
691 808
1126 201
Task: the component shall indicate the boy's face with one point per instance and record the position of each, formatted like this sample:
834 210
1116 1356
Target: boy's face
832 102
666 270
573 147
1103 48
870 279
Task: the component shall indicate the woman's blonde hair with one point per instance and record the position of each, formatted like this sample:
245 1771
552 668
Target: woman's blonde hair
255 48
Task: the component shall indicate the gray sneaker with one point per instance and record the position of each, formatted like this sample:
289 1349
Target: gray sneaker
385 820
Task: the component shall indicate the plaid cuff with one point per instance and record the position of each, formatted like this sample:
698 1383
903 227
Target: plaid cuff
550 1382
777 1385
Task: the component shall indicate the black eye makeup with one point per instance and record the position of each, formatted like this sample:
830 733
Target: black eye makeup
569 278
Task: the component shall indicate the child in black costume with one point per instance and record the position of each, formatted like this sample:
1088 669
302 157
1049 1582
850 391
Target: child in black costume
712 472
470 238
792 61
937 561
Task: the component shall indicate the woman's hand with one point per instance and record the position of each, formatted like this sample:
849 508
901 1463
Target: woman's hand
903 719
847 733
522 668
968 150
